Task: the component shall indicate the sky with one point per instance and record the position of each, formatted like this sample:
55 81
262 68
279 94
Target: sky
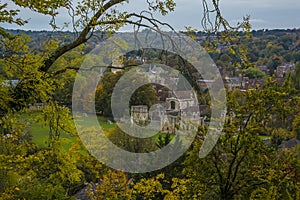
264 14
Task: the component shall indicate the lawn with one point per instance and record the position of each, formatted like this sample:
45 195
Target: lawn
40 133
264 137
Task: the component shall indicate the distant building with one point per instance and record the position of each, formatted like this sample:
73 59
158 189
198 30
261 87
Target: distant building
243 83
182 99
289 143
282 71
233 82
139 114
205 84
159 75
252 83
181 111
264 68
118 64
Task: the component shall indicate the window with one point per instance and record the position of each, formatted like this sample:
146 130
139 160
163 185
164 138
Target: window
173 105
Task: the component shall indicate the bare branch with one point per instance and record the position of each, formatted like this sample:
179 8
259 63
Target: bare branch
91 68
82 38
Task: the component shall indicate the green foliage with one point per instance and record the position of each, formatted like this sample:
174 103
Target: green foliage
63 177
274 62
296 126
112 186
104 92
150 188
44 7
9 17
43 76
145 95
279 135
241 166
129 143
296 76
58 119
162 6
252 72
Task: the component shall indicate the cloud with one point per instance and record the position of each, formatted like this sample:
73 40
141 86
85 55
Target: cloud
262 4
263 13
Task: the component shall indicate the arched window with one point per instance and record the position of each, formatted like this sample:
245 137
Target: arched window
173 105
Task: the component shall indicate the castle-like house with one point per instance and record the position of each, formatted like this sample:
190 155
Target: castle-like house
179 112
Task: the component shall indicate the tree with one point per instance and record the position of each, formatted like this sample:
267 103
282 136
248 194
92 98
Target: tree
274 62
241 166
104 92
131 144
64 178
151 188
296 126
144 95
105 17
40 74
296 75
112 186
254 73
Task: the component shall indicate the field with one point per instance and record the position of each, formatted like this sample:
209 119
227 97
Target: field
40 133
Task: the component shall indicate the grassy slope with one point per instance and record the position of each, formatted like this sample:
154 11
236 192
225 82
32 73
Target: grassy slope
40 133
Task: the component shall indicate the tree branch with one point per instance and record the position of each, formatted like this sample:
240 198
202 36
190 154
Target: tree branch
82 38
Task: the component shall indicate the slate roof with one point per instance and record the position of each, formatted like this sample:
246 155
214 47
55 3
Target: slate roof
184 94
289 143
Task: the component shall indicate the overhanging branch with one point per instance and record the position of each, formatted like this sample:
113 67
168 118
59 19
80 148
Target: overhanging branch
82 38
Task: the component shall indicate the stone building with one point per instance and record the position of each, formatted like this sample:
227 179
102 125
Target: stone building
139 114
180 111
